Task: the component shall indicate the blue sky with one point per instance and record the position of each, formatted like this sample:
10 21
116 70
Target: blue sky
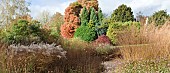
147 7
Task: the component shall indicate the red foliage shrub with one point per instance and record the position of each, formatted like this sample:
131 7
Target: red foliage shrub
103 39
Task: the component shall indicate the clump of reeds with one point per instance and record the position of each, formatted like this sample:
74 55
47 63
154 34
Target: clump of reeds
149 42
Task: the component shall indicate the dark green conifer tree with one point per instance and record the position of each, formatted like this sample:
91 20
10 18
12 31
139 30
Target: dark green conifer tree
93 16
84 17
100 16
159 17
122 14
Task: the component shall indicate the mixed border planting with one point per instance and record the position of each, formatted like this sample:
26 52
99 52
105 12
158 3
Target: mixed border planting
83 40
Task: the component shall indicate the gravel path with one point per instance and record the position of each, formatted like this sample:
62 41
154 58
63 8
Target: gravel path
111 65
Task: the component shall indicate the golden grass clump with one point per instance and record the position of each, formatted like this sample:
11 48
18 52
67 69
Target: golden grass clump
149 43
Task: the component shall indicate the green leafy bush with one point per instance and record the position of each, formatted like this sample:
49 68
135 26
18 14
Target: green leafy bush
159 17
112 30
91 24
102 29
85 33
54 33
23 32
130 23
122 14
49 36
118 27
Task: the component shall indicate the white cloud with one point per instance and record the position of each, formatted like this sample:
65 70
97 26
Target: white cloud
109 5
147 7
51 6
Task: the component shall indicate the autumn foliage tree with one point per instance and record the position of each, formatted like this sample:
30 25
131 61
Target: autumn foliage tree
68 28
71 20
89 3
74 16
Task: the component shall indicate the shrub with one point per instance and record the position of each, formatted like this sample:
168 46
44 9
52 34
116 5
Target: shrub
112 30
54 33
130 24
102 29
23 32
49 36
91 24
159 17
103 39
85 33
119 27
122 14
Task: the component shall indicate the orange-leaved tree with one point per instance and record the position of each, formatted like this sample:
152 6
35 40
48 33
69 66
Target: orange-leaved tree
71 20
72 16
